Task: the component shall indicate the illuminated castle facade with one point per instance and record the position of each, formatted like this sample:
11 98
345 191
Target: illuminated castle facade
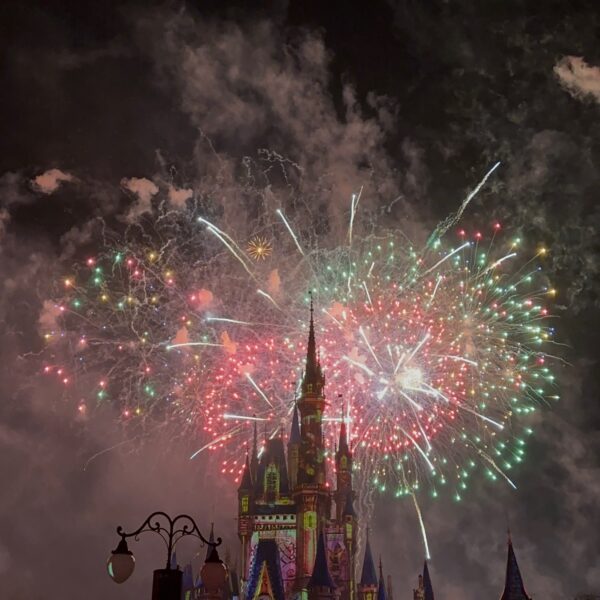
298 536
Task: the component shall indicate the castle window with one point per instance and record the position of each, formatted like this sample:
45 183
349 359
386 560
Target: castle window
245 504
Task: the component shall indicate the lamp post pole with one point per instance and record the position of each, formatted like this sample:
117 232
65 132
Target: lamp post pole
166 583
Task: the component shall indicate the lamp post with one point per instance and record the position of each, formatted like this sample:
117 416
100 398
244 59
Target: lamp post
166 583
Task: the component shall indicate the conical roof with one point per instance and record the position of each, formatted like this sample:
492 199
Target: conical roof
343 441
313 375
320 576
427 587
513 584
246 482
295 437
369 575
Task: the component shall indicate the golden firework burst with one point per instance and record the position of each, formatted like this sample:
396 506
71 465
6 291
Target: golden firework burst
259 248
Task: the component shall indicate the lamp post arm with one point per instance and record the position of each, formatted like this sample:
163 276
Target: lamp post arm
161 523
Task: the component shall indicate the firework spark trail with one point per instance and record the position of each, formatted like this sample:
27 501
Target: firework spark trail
226 320
243 417
257 388
443 260
353 206
289 228
269 298
450 221
422 525
227 241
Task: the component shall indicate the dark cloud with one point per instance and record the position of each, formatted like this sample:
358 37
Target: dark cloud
296 107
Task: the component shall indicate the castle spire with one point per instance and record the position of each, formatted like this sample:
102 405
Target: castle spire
427 587
295 431
369 575
513 584
313 376
246 482
320 576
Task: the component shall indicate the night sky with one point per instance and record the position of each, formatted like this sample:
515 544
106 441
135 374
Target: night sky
413 100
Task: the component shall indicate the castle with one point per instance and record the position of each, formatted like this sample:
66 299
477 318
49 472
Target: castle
299 537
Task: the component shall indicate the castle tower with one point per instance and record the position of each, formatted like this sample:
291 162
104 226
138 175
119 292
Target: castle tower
311 494
294 449
367 588
425 590
344 510
513 584
320 585
245 505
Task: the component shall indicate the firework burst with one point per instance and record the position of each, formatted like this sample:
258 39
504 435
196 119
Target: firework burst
259 248
439 353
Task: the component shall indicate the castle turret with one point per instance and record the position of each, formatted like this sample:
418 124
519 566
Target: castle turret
320 585
367 588
272 476
513 584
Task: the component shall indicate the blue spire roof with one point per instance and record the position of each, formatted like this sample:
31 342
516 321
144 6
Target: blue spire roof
369 575
320 576
427 587
295 437
513 585
174 560
266 553
381 594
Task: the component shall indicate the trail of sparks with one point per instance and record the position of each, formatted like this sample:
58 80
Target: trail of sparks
353 206
289 228
422 526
